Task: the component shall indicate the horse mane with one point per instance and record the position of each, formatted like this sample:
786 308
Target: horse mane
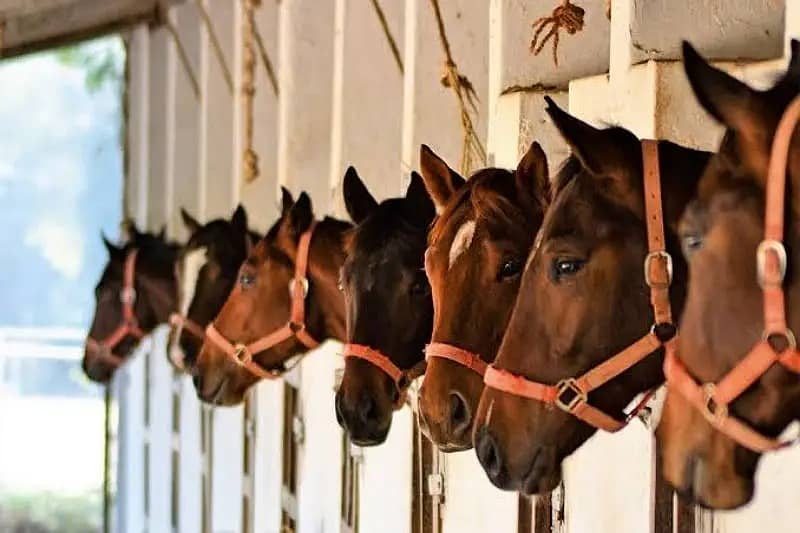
566 173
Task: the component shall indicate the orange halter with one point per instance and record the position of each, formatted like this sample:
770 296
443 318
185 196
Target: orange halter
402 378
458 355
572 394
242 354
713 399
128 326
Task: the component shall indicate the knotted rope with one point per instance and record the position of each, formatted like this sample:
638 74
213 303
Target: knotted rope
249 157
567 16
466 96
388 34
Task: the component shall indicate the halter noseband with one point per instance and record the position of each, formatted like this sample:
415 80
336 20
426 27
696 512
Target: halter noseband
458 355
402 378
572 394
713 399
128 326
242 354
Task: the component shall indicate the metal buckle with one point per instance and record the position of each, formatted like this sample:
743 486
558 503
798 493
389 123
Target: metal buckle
569 384
296 327
719 412
661 254
787 334
127 295
241 354
770 245
304 281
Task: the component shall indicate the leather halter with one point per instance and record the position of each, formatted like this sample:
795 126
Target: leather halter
402 378
712 399
128 326
242 354
458 355
571 394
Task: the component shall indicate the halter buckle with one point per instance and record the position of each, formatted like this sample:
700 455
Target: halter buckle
788 336
241 354
303 280
770 245
658 254
127 295
712 411
569 385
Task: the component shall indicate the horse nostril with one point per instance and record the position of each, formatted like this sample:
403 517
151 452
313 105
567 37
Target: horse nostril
489 454
459 413
367 409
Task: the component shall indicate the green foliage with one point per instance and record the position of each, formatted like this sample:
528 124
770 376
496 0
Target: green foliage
102 60
51 512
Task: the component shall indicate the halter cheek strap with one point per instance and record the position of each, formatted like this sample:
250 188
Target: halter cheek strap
242 354
713 399
458 355
572 394
129 325
402 378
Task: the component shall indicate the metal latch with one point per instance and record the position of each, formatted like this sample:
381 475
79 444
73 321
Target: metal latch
298 430
435 485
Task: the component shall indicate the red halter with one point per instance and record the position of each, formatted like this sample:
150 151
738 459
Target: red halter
458 355
402 378
713 399
242 354
572 394
128 326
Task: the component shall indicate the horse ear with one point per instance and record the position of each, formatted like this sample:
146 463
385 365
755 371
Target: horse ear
134 235
601 152
162 233
286 200
532 178
440 180
422 208
191 223
239 219
357 198
299 217
113 250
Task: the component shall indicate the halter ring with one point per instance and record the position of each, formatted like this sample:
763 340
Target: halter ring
127 295
788 336
302 280
770 245
660 254
569 385
712 411
241 354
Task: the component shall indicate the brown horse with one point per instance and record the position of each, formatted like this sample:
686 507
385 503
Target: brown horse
583 299
262 299
723 319
477 246
211 260
389 310
137 291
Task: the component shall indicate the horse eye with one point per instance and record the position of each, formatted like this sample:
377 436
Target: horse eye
420 287
690 244
510 267
567 267
246 280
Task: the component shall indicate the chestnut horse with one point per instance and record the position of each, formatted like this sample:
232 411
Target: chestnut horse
137 291
583 299
264 301
388 300
476 251
723 319
210 259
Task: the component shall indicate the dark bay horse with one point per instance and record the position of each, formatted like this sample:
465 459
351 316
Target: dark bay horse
136 292
476 252
210 259
583 299
389 310
723 320
290 276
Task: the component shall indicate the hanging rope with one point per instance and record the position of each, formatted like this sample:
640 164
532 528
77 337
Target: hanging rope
567 16
226 72
249 157
388 34
273 79
184 57
472 147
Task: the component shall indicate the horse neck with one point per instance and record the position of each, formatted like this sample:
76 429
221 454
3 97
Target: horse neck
326 257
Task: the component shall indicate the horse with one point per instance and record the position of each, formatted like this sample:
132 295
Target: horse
284 302
477 246
210 265
584 301
388 301
712 435
136 292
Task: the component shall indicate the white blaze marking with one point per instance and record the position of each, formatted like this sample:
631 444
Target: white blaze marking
462 241
192 263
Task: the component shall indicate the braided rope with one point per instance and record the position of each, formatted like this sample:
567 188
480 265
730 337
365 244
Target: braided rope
249 156
567 16
472 147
